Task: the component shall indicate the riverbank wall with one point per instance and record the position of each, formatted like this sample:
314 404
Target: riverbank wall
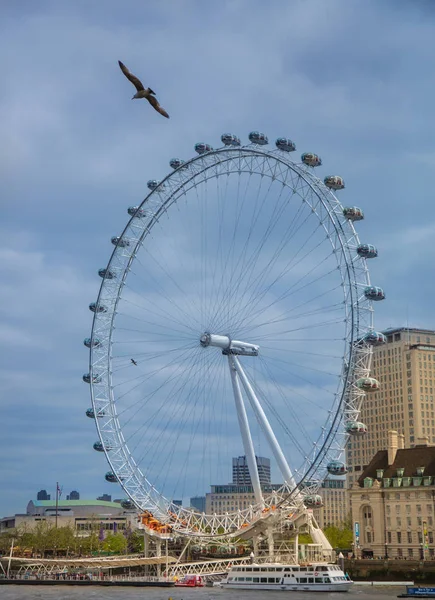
391 570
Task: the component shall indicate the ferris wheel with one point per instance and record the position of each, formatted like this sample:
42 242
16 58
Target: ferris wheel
234 318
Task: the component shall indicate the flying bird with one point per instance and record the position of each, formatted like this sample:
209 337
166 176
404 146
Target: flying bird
134 362
142 92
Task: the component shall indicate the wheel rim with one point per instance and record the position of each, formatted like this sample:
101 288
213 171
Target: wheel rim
232 167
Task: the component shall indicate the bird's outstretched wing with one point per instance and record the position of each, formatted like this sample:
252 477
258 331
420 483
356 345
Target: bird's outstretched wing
134 80
155 104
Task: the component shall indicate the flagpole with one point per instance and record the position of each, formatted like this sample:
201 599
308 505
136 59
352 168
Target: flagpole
57 500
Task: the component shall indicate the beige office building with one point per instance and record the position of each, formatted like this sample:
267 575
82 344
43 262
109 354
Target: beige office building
335 509
405 369
393 503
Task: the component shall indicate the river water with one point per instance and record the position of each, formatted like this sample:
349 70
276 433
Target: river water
13 592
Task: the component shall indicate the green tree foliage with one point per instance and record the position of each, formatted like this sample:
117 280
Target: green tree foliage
115 543
305 538
340 538
46 540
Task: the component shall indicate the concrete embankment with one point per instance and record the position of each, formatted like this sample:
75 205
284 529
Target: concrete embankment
391 570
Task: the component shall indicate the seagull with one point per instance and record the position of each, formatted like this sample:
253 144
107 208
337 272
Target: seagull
142 92
134 362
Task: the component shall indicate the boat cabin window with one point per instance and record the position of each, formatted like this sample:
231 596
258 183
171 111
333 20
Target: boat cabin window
263 579
319 579
256 569
310 579
303 580
327 580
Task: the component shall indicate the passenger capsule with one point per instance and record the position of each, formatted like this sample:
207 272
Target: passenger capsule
334 182
285 145
229 139
367 251
91 413
176 163
127 504
153 184
89 343
258 138
95 379
100 309
98 446
111 477
106 274
311 159
375 338
202 148
368 384
120 242
353 213
135 211
314 501
336 467
374 293
356 428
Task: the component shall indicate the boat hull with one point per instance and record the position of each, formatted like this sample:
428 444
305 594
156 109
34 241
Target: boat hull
293 587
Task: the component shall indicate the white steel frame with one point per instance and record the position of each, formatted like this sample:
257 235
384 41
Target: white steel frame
227 161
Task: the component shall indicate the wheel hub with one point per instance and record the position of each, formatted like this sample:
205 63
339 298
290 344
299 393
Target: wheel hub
227 345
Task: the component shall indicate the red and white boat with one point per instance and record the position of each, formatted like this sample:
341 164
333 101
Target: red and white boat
190 581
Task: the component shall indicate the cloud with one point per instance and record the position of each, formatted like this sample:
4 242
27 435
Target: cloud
336 77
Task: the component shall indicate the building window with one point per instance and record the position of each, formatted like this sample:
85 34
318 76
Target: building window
389 537
410 552
399 537
409 537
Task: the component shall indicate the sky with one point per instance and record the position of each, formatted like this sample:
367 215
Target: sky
348 80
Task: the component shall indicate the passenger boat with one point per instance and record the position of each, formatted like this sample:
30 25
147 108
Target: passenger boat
319 577
190 581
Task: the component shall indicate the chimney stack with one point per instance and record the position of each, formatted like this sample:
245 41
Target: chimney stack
401 442
392 446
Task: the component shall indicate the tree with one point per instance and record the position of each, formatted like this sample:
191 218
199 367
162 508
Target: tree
340 538
305 538
6 541
115 542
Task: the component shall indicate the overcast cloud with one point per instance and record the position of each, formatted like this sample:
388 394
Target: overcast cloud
351 81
